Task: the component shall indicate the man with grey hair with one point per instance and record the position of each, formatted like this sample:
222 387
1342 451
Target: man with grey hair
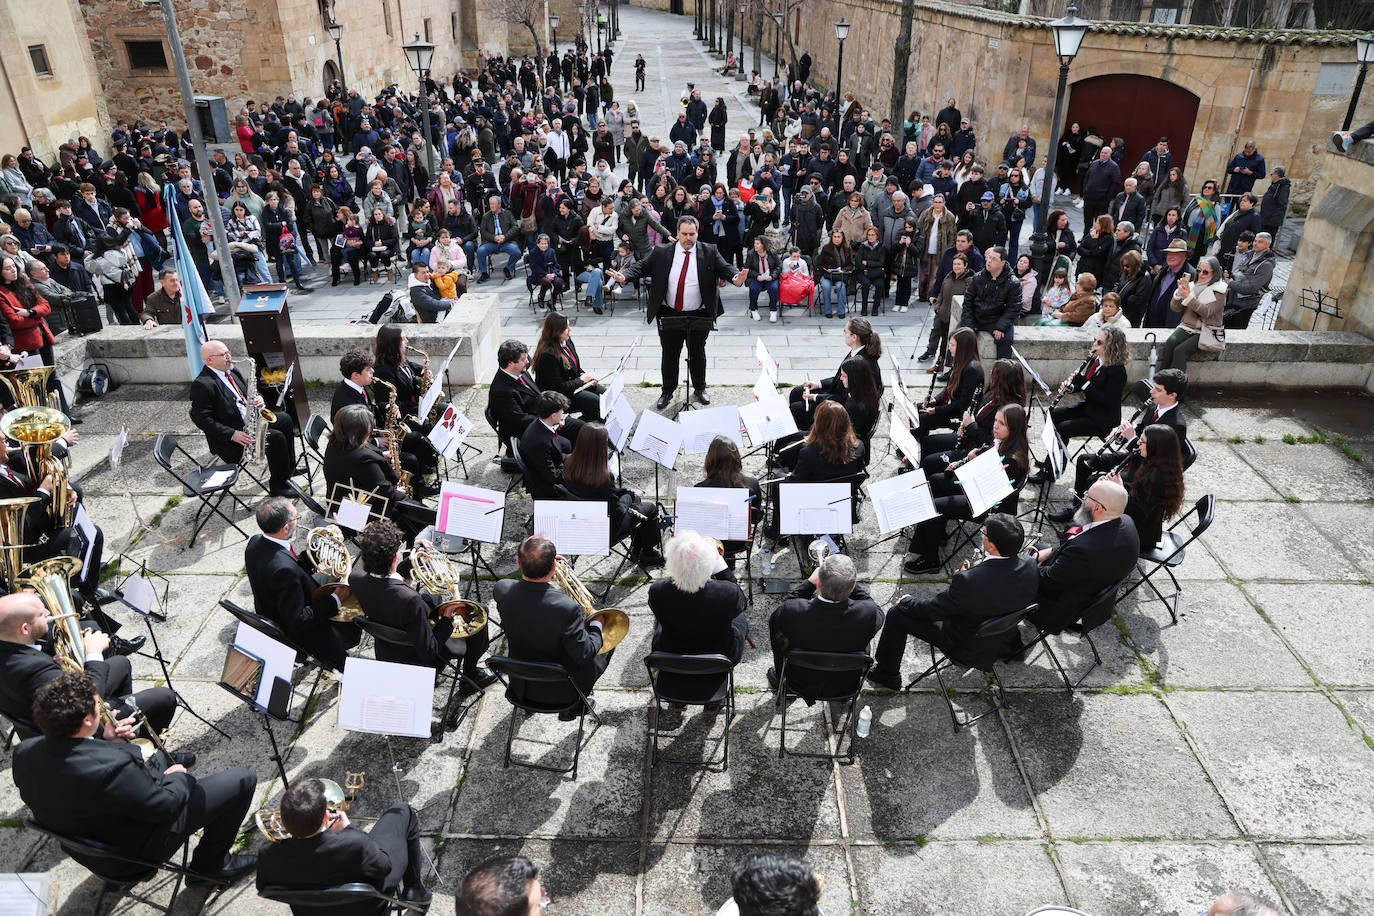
699 609
1236 904
1248 279
827 613
1129 205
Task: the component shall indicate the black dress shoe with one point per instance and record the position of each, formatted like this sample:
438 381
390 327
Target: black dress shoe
1037 479
773 679
922 565
229 871
929 354
418 895
892 680
479 676
663 401
186 759
568 715
121 646
1063 515
702 397
650 559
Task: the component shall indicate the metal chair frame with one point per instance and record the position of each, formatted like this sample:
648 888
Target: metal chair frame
711 668
97 850
997 626
509 670
212 498
1105 598
1170 553
336 896
860 663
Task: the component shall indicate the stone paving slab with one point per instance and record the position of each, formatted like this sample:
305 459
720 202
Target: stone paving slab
1271 531
1327 624
1338 880
1149 877
955 877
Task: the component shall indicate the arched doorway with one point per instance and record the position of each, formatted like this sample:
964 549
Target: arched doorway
1139 110
331 73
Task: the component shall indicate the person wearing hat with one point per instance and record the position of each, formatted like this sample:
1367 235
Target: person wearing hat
964 139
1274 204
986 222
1158 314
877 190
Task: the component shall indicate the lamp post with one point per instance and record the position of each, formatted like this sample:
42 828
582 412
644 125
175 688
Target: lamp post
743 8
553 24
336 33
715 31
419 54
841 32
600 27
777 40
729 28
1069 33
1364 50
696 19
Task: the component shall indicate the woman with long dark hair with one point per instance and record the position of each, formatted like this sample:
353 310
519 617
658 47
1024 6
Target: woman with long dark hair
394 368
350 459
725 469
831 449
1006 385
1102 382
557 367
1154 480
965 375
860 340
587 475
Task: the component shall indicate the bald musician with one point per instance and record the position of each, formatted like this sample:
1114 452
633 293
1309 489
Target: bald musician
1103 551
220 409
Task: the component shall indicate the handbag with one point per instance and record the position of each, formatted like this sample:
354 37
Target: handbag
528 223
1212 338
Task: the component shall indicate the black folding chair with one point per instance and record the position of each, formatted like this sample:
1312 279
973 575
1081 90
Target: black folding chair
842 673
339 895
1189 452
118 873
1140 391
19 729
1097 612
272 629
311 433
690 680
1168 554
518 676
395 636
197 483
981 654
968 528
502 442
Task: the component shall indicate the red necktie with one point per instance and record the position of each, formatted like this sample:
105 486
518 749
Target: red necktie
234 385
1092 370
522 382
682 279
568 350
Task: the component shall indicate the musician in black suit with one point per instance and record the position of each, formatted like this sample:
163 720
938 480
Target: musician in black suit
407 376
220 410
863 342
102 791
1169 386
25 666
1102 381
1006 384
1103 551
1002 584
697 610
326 850
353 460
388 599
512 393
283 591
676 294
542 448
557 367
543 624
827 613
358 368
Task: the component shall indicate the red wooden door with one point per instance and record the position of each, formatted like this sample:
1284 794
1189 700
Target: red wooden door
1139 110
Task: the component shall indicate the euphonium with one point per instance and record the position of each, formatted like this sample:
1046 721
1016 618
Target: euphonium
396 432
29 386
36 429
326 548
12 537
336 798
264 417
617 622
440 577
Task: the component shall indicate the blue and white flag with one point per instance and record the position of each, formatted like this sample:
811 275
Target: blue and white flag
195 302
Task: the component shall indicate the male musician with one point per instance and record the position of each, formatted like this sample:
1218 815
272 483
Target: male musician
388 599
697 610
827 613
25 667
220 409
545 625
1169 386
325 850
284 592
505 885
102 791
1102 552
512 393
542 448
1002 584
682 286
358 368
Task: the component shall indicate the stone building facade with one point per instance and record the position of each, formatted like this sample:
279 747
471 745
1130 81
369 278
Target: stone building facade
50 91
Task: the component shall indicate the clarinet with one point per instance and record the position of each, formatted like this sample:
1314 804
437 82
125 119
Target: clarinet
1068 382
973 418
1132 451
956 465
1115 436
930 389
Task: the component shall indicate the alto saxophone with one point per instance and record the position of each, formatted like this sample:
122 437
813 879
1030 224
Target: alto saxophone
426 379
396 432
264 417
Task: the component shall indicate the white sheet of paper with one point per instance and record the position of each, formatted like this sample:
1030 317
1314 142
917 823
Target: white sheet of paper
24 894
117 450
985 481
765 386
718 512
902 500
613 464
619 422
218 479
700 427
449 431
613 392
657 438
908 407
766 361
1054 448
385 698
436 387
470 512
814 508
767 420
902 438
139 594
278 659
576 527
89 533
1035 376
956 310
286 386
28 361
352 514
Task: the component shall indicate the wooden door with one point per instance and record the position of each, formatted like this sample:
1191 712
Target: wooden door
1139 110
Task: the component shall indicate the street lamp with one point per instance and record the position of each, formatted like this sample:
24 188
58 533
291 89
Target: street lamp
600 27
419 54
841 32
1364 51
336 33
1069 33
553 24
777 41
743 8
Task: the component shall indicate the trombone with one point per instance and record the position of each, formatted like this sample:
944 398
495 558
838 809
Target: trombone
615 622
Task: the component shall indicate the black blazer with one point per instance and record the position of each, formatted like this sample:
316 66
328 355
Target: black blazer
700 622
551 375
993 588
346 395
755 506
751 263
406 378
1102 396
804 621
543 453
710 266
949 408
38 518
544 625
1173 417
813 468
329 858
216 413
23 669
1082 566
511 403
284 592
364 468
396 604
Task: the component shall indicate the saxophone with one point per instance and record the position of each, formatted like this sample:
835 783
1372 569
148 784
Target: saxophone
264 416
426 379
396 431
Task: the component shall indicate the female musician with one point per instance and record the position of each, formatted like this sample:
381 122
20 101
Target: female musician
965 375
862 342
831 449
1102 381
24 310
558 368
725 469
1009 434
858 395
393 368
352 460
1154 479
587 475
1006 385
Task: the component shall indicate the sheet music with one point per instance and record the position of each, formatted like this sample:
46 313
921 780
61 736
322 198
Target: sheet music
28 361
985 481
139 594
471 512
768 419
387 715
613 392
902 500
700 427
449 431
1054 448
900 398
619 422
117 451
385 698
766 361
576 527
658 439
718 512
1035 376
286 386
24 894
278 659
766 386
218 479
352 514
902 439
814 508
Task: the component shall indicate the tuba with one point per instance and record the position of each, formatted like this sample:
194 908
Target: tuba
12 537
29 386
617 622
336 798
439 576
36 429
326 548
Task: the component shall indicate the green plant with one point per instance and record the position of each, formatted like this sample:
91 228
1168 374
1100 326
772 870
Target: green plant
1259 440
1236 440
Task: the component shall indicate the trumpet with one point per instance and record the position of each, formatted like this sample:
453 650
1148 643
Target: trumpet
336 798
327 551
440 577
616 622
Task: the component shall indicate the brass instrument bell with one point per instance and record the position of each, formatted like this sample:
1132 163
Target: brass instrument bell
36 429
336 798
616 623
326 548
440 577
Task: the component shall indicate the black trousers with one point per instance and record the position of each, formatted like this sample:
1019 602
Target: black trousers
906 618
804 411
588 403
157 704
280 450
397 831
1089 467
672 335
1074 421
218 804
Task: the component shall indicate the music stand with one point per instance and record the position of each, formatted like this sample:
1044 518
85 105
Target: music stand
244 671
147 603
686 324
458 542
369 498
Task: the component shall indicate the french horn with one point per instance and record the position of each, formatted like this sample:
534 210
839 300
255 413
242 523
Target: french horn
440 577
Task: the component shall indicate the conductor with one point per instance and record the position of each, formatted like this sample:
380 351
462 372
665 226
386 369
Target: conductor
683 277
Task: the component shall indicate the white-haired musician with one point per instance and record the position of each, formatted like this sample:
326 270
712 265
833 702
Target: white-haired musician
700 607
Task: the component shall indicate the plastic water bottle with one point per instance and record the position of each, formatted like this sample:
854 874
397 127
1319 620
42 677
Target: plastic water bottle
865 722
768 561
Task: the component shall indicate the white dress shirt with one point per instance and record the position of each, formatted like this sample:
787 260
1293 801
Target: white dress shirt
691 292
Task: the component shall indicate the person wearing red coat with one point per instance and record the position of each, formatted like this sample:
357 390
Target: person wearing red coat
25 311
